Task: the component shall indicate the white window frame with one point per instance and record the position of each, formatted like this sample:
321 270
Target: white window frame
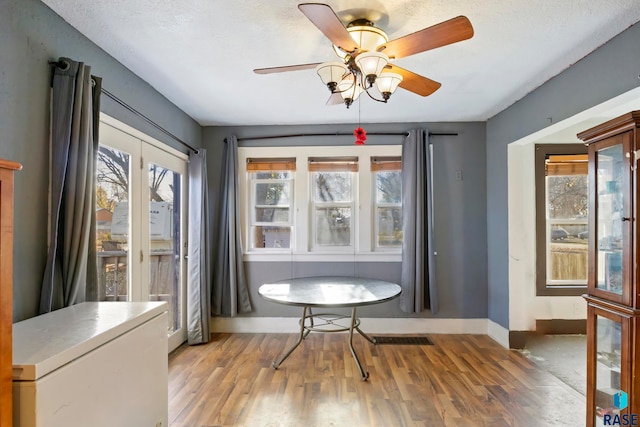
363 227
376 205
313 246
253 223
289 206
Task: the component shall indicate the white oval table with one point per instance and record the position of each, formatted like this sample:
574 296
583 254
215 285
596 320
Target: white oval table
329 292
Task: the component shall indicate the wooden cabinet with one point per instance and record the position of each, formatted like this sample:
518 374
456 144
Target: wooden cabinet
613 370
6 288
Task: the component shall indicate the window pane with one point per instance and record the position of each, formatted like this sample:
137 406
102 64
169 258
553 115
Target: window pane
389 187
567 196
272 175
333 226
273 237
164 238
389 227
332 186
272 215
272 202
112 223
272 193
568 252
567 235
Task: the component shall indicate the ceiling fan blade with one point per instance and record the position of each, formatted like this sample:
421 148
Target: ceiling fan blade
286 68
323 17
442 34
335 99
414 82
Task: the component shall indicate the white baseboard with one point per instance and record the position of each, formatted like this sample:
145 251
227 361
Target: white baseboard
369 325
499 333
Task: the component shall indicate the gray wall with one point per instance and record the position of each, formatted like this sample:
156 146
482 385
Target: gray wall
30 36
460 215
471 216
609 71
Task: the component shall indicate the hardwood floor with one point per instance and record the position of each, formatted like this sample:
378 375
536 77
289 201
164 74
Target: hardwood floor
461 380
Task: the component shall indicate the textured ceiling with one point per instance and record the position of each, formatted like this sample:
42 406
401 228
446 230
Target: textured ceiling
201 53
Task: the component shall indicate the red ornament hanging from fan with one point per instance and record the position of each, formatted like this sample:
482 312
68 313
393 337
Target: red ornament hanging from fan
361 135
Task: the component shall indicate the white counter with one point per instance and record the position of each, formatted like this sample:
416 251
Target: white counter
97 364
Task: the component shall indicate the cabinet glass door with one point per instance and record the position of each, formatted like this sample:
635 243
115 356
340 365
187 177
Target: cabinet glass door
610 214
610 229
609 397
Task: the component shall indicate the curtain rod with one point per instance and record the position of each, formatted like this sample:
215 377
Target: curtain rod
64 65
339 134
148 120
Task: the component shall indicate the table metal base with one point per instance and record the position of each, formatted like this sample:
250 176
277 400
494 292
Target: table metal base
330 323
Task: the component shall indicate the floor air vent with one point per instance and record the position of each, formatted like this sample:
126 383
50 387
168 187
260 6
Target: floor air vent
403 340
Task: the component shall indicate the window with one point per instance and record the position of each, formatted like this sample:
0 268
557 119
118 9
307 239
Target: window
387 199
271 201
561 219
321 203
332 201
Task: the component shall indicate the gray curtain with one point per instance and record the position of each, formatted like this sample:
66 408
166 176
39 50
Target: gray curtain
199 251
418 282
230 292
70 274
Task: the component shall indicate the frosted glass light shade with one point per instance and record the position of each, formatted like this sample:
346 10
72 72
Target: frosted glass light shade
372 63
366 36
349 88
331 72
388 82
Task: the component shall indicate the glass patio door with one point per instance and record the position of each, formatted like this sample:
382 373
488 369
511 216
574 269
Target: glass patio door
165 237
141 227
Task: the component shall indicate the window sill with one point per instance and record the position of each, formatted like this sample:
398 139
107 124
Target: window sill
322 257
561 291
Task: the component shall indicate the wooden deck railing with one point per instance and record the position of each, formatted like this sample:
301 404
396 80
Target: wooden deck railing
112 278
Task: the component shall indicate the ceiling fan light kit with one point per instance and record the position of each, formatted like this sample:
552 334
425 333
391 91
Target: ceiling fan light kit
332 73
387 83
349 89
366 55
348 80
371 65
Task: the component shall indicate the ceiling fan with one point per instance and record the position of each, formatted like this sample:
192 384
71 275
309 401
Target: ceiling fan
365 52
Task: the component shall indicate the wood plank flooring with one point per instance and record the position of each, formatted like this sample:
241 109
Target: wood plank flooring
461 380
